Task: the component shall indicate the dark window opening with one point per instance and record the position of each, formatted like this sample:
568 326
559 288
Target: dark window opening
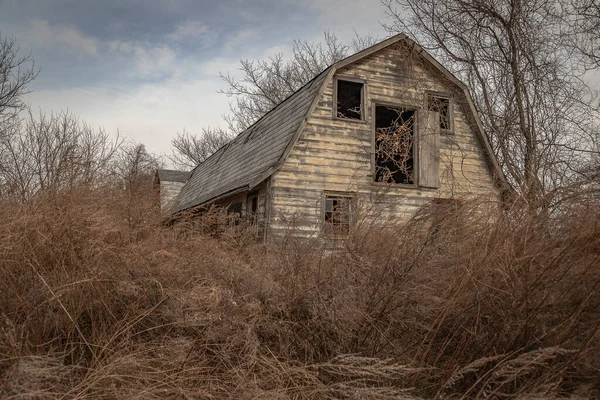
235 208
349 99
440 105
252 208
337 215
234 212
394 145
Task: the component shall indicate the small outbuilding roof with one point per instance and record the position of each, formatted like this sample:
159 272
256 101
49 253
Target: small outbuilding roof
171 175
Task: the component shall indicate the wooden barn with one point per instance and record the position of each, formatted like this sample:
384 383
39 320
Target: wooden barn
387 130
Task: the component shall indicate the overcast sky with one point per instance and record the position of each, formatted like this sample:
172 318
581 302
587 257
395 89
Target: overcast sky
150 68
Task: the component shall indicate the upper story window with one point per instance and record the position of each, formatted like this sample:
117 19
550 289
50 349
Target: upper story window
394 145
349 97
443 106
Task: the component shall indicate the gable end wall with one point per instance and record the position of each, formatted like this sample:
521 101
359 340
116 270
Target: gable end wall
335 155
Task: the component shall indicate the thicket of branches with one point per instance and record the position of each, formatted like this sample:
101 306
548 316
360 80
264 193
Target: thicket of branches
585 23
55 151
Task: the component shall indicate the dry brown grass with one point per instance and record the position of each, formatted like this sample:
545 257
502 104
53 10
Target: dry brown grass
97 302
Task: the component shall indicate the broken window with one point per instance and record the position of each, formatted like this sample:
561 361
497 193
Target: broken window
337 214
349 99
394 145
442 106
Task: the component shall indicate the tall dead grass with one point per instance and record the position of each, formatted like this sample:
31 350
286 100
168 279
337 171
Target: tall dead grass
95 306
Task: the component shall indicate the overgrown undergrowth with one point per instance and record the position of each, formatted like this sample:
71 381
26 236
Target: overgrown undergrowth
99 301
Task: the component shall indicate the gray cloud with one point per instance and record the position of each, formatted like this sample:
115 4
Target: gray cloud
150 67
67 37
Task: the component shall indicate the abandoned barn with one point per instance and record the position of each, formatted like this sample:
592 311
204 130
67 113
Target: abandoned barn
386 130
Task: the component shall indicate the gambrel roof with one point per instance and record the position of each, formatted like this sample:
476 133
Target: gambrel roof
256 153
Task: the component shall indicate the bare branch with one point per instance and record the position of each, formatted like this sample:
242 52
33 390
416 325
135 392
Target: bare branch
515 57
190 150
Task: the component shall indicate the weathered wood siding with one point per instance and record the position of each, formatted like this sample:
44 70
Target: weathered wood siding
336 155
168 191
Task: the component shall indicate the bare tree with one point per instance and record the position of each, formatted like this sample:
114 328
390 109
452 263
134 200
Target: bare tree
15 74
266 83
135 168
585 20
52 152
48 151
190 150
514 56
133 162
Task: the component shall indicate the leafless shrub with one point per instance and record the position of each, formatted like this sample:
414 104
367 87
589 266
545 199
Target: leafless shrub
53 152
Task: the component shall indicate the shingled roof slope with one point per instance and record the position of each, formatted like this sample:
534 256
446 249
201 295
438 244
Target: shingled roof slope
243 160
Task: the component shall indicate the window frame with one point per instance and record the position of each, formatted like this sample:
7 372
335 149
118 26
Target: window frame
415 184
450 98
363 99
327 194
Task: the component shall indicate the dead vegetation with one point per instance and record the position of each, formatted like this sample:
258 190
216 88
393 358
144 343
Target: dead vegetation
448 305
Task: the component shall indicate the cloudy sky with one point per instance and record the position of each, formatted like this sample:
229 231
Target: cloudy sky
150 68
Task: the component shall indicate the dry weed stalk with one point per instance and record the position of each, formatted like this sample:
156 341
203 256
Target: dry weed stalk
453 305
